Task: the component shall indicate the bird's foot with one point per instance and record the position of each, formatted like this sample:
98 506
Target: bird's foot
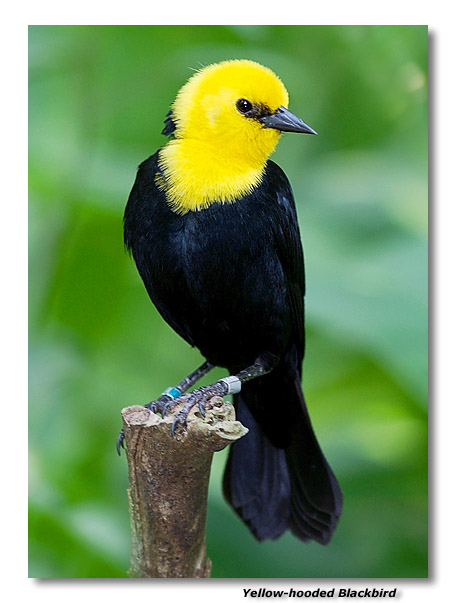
165 403
199 396
171 398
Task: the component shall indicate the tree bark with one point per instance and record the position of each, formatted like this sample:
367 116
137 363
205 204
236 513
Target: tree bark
169 480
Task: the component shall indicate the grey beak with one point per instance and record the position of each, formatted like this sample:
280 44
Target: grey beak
286 121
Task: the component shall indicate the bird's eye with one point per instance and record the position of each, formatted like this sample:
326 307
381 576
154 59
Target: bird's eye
244 106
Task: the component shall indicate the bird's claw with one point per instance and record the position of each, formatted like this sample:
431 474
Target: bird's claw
155 406
120 442
163 405
199 396
201 407
169 406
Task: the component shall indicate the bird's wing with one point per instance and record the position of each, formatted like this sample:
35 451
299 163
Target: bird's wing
149 226
290 252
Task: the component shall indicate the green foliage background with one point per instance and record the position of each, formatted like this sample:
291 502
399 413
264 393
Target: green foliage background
98 97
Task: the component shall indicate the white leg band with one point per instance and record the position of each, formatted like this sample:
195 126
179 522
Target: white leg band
233 383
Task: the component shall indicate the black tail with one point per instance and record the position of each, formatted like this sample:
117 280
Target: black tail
276 477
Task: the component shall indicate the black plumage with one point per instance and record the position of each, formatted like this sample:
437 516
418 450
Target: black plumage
229 279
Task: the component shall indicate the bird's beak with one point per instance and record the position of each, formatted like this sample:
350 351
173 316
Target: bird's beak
285 121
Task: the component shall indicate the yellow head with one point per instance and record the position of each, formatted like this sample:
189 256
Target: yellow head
228 118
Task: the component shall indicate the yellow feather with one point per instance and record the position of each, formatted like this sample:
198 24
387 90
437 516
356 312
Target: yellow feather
218 154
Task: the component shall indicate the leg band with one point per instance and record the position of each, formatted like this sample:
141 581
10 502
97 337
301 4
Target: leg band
233 383
171 392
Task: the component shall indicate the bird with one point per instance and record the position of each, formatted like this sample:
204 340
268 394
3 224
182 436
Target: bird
212 226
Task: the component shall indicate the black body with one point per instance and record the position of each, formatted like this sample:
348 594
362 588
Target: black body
230 280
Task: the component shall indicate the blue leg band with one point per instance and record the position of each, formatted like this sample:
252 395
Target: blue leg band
171 392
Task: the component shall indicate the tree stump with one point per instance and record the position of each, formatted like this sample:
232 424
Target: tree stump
169 479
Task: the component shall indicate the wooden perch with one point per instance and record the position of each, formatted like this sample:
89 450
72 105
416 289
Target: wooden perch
169 479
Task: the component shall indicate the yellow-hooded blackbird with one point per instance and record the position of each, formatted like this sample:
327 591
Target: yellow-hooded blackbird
212 226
